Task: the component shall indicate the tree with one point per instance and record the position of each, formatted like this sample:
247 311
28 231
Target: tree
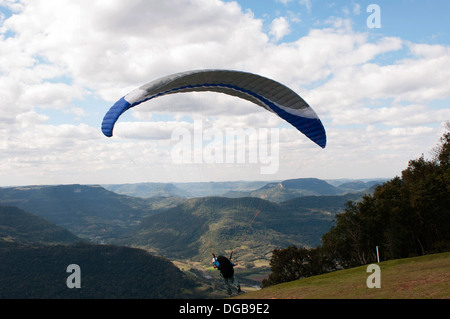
442 151
293 263
353 238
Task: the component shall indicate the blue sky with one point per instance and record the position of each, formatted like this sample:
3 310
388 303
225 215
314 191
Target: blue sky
382 93
413 20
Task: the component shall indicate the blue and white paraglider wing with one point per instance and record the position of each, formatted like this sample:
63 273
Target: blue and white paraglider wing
262 91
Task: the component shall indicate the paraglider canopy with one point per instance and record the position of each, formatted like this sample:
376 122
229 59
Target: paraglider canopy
257 89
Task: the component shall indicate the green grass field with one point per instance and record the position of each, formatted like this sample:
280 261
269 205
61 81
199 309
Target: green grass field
425 277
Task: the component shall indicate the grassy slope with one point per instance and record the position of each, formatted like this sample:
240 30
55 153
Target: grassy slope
409 278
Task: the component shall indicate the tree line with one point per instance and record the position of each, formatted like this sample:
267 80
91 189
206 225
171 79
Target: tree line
406 216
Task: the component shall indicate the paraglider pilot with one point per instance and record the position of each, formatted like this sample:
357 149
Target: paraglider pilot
226 268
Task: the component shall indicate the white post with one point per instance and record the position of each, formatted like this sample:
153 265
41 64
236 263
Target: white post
378 255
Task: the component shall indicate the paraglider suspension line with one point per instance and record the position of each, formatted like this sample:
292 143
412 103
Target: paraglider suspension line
203 229
250 227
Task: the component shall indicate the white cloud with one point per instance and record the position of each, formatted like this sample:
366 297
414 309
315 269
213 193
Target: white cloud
285 2
107 45
419 79
279 28
13 5
307 4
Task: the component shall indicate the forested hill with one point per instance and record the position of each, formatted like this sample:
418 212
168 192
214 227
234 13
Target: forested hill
252 226
105 272
35 254
89 211
19 226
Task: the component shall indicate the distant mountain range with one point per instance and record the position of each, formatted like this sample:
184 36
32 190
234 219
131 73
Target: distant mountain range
187 190
94 213
277 191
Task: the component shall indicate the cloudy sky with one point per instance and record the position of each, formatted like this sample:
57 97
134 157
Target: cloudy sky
376 73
